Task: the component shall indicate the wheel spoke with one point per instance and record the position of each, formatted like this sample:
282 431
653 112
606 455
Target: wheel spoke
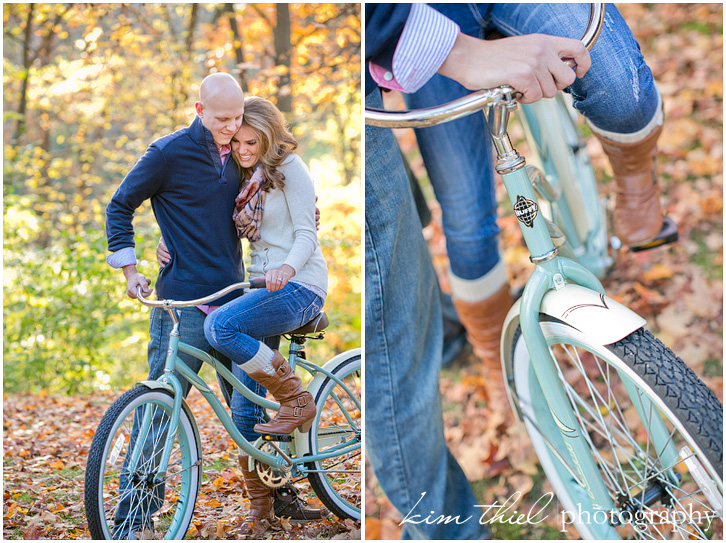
632 428
337 480
136 498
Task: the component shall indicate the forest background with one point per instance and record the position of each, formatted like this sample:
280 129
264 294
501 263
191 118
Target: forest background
86 88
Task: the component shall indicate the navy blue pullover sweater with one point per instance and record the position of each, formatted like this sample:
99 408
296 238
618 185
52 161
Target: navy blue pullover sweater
192 196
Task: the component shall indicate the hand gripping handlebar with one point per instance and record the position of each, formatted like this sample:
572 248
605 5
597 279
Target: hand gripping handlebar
419 118
258 282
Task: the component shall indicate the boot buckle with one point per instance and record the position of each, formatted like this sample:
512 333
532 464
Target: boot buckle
297 412
302 401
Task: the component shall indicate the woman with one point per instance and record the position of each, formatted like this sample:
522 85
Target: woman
279 221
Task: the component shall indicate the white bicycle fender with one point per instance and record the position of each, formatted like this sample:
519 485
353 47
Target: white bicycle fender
317 381
157 385
599 317
595 315
302 446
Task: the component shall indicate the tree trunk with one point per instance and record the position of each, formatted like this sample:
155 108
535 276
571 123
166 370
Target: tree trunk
20 125
190 31
283 50
238 50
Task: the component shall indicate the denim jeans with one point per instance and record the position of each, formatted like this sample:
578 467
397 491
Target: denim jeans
233 328
404 424
617 94
191 329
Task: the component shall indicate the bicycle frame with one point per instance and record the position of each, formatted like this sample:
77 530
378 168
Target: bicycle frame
553 273
170 381
567 188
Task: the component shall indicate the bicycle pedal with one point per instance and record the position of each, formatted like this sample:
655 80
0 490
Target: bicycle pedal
668 234
286 438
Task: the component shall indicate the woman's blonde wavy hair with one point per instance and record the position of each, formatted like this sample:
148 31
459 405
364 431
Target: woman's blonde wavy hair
276 142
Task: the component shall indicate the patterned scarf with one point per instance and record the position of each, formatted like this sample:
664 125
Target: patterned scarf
247 215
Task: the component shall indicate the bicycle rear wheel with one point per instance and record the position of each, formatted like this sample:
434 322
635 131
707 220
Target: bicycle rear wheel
121 500
336 480
655 431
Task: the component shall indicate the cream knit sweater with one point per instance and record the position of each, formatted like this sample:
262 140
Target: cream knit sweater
288 229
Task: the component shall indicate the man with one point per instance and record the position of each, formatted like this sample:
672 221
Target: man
192 187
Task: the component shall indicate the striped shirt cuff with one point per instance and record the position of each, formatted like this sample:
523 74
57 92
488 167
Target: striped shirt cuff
122 257
426 41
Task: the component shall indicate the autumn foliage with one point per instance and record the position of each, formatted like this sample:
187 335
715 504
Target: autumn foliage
86 88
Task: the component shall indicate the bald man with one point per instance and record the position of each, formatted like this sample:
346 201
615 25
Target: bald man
192 186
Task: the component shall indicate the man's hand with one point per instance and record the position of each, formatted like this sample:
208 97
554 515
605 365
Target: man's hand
163 256
246 193
317 214
532 64
276 279
135 279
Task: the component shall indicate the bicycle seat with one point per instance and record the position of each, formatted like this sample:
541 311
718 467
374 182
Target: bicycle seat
318 324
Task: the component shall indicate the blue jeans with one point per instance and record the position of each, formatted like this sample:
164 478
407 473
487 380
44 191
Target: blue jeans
233 328
404 424
191 328
617 94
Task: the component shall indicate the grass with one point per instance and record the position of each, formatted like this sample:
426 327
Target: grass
707 29
712 368
704 257
219 464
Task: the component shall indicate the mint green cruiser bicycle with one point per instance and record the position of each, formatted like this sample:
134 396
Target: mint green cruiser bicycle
144 468
629 437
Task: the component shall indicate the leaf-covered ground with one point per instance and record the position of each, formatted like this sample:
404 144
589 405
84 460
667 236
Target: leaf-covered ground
45 444
678 290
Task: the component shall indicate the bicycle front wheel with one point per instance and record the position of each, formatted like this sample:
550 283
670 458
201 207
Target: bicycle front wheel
655 431
336 480
123 495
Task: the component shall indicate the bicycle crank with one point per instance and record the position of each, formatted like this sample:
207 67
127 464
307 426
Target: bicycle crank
269 476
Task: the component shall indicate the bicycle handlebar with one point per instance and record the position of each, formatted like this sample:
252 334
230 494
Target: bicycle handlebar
419 118
258 282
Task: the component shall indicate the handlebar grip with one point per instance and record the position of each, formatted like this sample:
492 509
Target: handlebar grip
257 282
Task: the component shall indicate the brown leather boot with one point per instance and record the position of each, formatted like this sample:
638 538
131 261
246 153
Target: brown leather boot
638 217
297 408
483 321
261 501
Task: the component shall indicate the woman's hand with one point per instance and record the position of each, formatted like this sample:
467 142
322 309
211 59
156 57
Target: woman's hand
163 257
276 279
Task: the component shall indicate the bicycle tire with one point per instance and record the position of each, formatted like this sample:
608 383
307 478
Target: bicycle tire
691 414
337 421
112 443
